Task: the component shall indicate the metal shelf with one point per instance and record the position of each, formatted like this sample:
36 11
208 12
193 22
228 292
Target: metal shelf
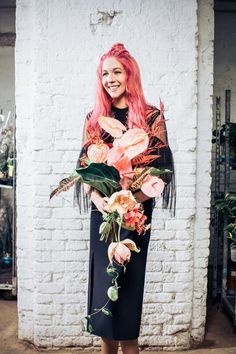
8 274
219 239
228 302
6 186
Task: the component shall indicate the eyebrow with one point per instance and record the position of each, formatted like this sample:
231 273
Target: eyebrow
114 68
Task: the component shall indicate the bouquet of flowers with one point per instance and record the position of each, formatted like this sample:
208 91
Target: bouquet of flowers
117 170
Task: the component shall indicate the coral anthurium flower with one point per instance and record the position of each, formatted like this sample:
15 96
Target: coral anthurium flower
98 153
134 142
115 154
131 144
112 126
121 202
123 166
152 186
120 251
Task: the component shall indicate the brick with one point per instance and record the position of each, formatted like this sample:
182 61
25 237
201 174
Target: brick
177 225
176 308
184 255
178 267
174 329
177 287
153 266
161 256
178 245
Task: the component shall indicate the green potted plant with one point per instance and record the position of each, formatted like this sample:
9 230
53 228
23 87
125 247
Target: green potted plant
228 205
10 165
231 228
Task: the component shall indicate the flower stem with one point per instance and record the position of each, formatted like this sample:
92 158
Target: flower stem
120 223
100 309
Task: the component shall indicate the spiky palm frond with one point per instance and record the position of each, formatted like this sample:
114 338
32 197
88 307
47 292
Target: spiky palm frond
138 179
65 184
144 159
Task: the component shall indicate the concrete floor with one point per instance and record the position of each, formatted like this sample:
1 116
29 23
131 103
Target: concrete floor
220 336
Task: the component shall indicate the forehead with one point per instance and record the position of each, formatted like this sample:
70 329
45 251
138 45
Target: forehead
111 63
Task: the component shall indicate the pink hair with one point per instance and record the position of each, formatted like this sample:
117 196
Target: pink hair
134 92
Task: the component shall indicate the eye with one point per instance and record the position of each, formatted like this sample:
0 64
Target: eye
118 72
104 74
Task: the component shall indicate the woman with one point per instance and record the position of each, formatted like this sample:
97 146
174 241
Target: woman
120 95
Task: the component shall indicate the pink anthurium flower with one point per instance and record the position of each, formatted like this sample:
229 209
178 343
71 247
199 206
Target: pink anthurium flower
152 186
124 166
115 154
120 251
98 153
112 126
133 142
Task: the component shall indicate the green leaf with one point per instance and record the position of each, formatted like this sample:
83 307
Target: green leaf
90 328
82 326
89 325
106 311
112 272
100 176
112 293
105 229
157 171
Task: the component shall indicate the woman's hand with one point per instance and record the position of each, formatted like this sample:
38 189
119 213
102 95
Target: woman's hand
99 201
141 197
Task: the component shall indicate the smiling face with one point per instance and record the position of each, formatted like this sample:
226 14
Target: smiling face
114 80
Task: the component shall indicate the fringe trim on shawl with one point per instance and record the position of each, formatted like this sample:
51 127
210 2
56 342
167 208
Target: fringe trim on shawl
81 199
166 160
169 194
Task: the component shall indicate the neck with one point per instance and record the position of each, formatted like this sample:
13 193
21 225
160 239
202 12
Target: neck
120 102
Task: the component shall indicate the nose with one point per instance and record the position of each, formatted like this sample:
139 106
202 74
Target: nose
110 77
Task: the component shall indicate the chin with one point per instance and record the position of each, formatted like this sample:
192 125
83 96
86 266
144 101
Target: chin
116 96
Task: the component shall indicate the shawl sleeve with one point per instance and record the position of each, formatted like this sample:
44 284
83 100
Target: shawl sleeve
164 161
81 194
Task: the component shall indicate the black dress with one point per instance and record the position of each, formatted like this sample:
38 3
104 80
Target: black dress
124 324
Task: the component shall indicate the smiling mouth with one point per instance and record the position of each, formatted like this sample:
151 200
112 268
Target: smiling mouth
113 88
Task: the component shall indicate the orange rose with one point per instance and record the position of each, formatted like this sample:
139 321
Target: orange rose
121 202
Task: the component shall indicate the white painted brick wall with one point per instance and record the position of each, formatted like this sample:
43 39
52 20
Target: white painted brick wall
56 60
